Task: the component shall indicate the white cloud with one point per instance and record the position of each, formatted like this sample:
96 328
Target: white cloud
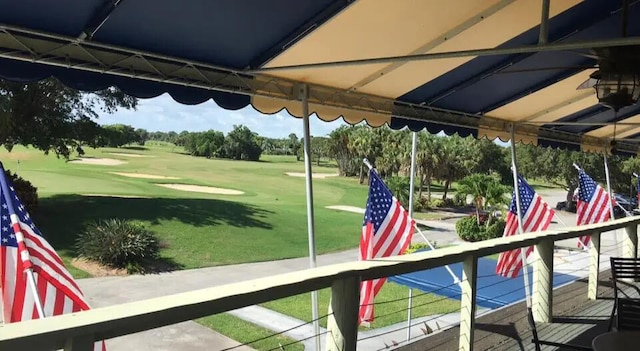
165 114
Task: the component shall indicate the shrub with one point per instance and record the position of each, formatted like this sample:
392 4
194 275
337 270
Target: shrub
27 193
495 229
118 243
418 205
436 203
424 202
459 200
469 230
448 203
416 247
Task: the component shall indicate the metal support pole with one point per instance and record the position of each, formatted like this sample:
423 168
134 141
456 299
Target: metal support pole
637 188
606 172
412 178
544 23
525 267
304 97
612 212
412 182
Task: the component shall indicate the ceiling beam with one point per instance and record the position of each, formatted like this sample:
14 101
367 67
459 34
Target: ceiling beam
562 46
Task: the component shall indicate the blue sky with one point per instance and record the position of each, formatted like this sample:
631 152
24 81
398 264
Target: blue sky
164 114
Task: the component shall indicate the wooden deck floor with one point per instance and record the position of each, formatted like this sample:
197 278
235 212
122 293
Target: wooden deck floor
577 320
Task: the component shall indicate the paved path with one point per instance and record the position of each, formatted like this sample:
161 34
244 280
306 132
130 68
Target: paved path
191 336
106 291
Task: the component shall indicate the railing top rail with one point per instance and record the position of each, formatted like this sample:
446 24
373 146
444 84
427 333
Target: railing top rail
113 321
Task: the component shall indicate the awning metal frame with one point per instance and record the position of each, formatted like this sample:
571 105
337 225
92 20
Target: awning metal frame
61 51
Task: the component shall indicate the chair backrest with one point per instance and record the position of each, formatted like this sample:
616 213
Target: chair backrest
628 314
625 268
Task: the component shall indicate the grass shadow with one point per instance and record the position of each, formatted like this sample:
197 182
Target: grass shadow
544 186
61 217
160 265
134 147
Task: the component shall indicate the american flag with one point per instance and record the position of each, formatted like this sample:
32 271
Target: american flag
593 205
536 215
23 248
386 231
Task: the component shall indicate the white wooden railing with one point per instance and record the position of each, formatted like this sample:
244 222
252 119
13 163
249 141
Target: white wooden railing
76 332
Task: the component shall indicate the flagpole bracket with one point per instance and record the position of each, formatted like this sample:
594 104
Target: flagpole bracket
367 163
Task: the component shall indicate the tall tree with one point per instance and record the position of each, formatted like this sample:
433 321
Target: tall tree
295 145
241 144
365 143
455 161
348 165
52 117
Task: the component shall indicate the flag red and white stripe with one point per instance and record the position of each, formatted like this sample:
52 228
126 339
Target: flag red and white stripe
536 215
593 204
23 249
386 231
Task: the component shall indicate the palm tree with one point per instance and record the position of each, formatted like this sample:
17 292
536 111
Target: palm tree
363 144
427 158
496 197
399 187
485 190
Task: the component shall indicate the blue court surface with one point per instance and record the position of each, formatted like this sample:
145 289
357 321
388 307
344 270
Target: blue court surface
493 291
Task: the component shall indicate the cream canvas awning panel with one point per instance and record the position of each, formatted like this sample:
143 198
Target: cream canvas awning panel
402 30
505 20
371 28
621 131
566 108
541 105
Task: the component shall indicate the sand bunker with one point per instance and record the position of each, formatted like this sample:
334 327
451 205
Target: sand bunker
99 161
313 175
202 189
127 155
143 175
347 208
120 196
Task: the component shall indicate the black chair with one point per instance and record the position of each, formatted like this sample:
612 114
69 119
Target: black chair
624 271
628 314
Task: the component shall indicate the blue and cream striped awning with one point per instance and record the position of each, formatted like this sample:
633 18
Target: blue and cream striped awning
266 53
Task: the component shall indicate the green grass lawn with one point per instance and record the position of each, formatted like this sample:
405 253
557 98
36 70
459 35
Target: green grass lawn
244 332
390 305
267 222
197 230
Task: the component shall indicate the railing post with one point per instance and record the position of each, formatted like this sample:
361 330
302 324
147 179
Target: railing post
468 302
342 322
630 246
594 266
543 282
80 343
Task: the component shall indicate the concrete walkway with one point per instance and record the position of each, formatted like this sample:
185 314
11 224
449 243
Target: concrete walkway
107 291
191 336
